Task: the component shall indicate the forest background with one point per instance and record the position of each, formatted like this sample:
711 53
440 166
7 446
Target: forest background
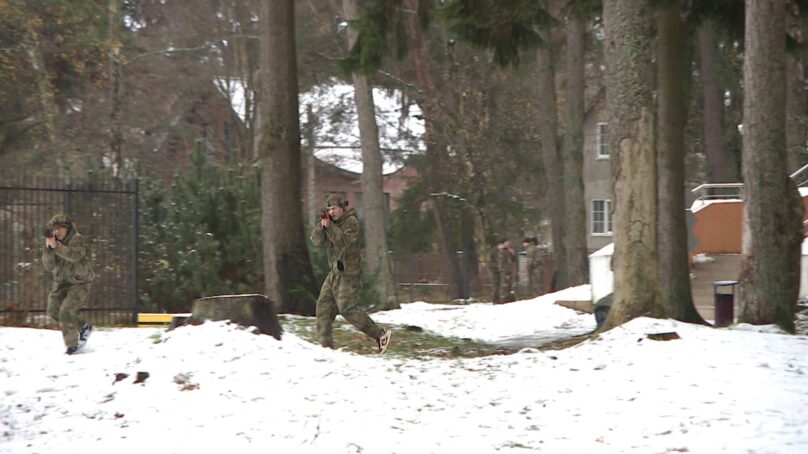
139 89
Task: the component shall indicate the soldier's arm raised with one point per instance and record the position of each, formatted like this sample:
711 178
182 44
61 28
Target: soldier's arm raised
345 235
72 253
317 235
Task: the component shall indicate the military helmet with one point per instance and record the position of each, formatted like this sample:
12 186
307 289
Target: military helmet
335 199
61 219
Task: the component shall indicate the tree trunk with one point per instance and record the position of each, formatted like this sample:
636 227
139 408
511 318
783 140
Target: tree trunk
288 275
720 169
795 112
629 85
435 147
311 197
672 79
116 89
548 130
47 101
770 271
376 260
573 159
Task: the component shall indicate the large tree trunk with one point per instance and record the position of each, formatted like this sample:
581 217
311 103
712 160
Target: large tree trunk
795 100
435 146
376 260
629 85
720 168
548 130
672 79
770 272
288 275
575 205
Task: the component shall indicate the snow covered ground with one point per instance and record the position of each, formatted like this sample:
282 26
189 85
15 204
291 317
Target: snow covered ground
219 388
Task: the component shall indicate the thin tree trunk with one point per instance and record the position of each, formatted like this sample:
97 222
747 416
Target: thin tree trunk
629 85
573 159
288 274
47 101
770 271
376 260
116 89
435 147
311 197
719 167
548 130
672 78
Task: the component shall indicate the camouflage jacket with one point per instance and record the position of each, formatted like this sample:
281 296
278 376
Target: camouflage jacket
506 262
532 257
342 243
70 260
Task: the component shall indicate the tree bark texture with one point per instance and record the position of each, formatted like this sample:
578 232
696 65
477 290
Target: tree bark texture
288 274
435 146
795 112
548 130
629 85
672 80
377 266
573 158
769 281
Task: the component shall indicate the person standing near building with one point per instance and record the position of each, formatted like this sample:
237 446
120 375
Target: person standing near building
507 271
534 266
66 256
339 230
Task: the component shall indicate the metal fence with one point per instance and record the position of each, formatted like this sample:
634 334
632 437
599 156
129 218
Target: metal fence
425 277
105 213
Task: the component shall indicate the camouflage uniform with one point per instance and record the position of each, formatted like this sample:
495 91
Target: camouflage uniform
506 271
493 272
338 294
534 270
72 272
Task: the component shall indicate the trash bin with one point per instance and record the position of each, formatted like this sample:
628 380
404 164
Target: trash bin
724 303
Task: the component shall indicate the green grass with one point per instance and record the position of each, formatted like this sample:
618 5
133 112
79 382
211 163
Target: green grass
408 341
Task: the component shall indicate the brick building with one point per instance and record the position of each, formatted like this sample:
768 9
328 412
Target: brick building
321 177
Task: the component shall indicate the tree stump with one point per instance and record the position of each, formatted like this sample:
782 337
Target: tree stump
246 310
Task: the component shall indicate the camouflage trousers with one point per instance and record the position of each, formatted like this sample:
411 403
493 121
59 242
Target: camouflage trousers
505 288
494 276
64 302
534 282
338 296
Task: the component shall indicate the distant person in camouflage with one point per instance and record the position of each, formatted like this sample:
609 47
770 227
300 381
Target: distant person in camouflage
492 263
535 268
507 272
339 230
67 257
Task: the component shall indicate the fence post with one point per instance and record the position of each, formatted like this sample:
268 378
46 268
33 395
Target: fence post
135 249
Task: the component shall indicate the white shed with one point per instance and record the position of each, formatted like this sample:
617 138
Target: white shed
600 272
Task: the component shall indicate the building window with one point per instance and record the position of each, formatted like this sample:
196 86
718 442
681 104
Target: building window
601 217
602 140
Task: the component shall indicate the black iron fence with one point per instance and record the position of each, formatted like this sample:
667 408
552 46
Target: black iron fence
105 213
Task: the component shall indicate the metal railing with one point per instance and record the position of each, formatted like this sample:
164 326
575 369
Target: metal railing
718 191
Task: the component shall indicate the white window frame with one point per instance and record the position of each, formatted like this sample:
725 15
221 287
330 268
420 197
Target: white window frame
602 140
602 226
